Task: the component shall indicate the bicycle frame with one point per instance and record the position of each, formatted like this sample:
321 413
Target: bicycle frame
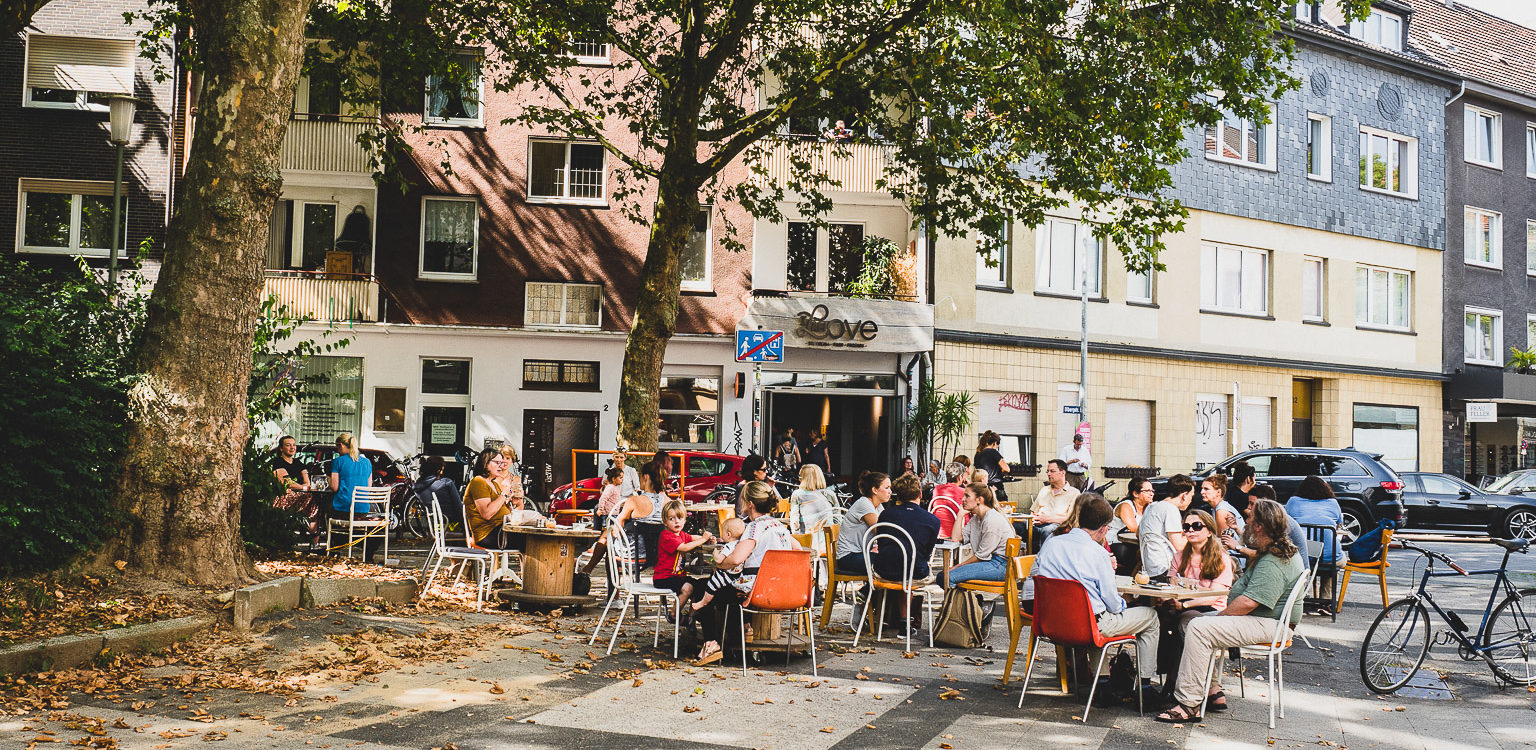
1476 644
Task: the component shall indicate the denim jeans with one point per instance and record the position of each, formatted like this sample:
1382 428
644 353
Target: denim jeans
981 570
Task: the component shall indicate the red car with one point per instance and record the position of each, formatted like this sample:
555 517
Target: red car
706 472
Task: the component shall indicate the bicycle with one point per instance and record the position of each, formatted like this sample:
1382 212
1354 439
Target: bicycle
1399 639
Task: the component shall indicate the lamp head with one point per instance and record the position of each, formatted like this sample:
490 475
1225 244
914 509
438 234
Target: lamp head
120 119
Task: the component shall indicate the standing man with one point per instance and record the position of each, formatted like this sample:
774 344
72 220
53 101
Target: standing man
1161 533
1054 502
1078 462
820 454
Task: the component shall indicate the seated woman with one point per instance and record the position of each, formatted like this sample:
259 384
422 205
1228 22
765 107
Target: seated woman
639 516
1213 492
987 535
763 534
1127 520
1315 504
351 469
874 490
1203 564
489 499
811 506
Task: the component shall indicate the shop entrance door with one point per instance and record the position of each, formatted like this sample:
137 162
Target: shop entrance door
858 427
548 439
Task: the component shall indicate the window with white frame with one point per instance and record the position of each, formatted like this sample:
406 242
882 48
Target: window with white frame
1483 237
1138 286
1380 28
695 258
455 97
1484 337
1303 10
1530 331
1481 131
68 72
565 172
68 217
1238 140
1064 249
1234 280
449 238
1320 147
1530 150
563 304
1313 291
1530 247
1389 162
993 269
1383 297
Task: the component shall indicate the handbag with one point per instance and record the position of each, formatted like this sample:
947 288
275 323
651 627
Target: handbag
960 622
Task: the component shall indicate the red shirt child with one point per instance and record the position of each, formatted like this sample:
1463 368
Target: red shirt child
674 541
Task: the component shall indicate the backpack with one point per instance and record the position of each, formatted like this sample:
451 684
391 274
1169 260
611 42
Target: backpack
961 623
1367 547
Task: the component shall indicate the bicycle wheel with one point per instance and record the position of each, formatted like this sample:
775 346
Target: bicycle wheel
1395 646
416 518
1510 642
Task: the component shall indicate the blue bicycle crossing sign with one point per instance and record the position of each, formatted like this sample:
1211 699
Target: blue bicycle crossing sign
759 346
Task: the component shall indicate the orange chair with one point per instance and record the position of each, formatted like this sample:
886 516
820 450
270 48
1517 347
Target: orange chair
833 577
1066 619
783 586
1377 568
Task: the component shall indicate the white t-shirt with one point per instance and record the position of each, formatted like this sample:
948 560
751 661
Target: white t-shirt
770 534
1157 522
850 538
1068 453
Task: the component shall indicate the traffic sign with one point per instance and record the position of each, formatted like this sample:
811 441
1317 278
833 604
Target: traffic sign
759 346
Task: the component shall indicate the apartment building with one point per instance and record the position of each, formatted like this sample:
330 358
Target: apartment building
1300 306
56 191
1490 258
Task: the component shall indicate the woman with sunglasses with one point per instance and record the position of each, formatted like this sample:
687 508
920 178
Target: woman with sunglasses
1127 520
1204 564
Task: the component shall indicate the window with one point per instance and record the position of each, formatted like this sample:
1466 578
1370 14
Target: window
454 98
1312 289
689 409
1063 251
1484 342
1381 28
553 375
699 466
1483 240
1530 331
1530 150
66 72
449 239
1294 465
1320 147
1393 432
1241 141
1481 132
1138 286
318 96
1303 10
801 273
448 377
1234 280
1388 162
1382 297
69 217
560 304
1530 247
993 270
590 51
696 258
845 255
314 233
565 172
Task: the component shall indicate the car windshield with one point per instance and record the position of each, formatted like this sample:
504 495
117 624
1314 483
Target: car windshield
1520 481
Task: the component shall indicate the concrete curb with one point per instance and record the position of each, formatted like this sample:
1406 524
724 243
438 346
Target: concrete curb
73 650
319 592
278 594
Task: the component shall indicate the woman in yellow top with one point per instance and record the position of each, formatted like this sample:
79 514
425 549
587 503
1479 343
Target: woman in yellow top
490 497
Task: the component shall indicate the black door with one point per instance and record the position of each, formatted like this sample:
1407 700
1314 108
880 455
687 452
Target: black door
548 439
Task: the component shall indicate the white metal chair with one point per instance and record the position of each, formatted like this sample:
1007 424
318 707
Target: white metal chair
625 584
501 558
898 536
442 552
373 521
1274 650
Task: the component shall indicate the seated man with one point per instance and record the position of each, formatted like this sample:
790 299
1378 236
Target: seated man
949 503
1079 555
1053 504
433 485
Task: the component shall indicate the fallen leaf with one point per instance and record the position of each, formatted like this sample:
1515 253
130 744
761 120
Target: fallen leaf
828 730
497 689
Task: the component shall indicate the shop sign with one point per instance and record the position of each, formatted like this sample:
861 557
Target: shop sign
843 323
1481 411
1006 413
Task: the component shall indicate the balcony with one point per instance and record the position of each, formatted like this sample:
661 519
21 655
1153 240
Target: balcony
327 145
328 297
856 171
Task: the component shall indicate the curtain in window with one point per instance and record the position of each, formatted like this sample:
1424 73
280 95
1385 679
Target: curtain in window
448 243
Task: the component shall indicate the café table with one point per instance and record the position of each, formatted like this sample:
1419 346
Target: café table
722 511
948 550
1164 592
549 565
1029 524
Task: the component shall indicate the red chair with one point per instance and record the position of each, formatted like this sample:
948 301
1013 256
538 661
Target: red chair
1064 616
784 584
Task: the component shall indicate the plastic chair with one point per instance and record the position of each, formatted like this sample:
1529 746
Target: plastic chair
1274 650
374 519
898 536
784 585
1064 616
625 584
441 552
1376 568
833 576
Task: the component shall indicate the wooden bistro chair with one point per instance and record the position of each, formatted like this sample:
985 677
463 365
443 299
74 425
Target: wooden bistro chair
374 520
1064 616
1377 568
785 584
833 577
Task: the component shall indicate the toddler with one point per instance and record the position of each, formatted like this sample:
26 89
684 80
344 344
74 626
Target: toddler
730 533
611 497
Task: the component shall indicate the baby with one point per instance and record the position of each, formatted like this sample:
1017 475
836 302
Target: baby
730 533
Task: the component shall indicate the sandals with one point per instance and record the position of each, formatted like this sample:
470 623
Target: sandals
1212 705
1179 714
709 656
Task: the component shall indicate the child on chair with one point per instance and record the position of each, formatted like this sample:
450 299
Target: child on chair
669 557
730 533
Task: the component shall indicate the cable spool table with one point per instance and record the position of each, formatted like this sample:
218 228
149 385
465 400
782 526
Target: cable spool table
549 565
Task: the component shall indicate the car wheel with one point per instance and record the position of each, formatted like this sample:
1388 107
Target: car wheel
1354 521
1520 524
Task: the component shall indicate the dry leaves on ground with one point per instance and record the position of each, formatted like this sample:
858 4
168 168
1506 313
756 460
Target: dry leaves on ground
52 605
321 566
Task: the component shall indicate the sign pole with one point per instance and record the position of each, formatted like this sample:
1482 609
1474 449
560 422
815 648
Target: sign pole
757 408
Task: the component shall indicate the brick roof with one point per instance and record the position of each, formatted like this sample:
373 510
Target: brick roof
1477 44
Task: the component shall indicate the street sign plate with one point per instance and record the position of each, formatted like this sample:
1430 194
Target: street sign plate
759 346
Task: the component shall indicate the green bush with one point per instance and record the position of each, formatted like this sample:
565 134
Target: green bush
66 359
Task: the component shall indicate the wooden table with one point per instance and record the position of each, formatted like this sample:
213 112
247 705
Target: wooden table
1029 523
549 564
1128 587
722 512
946 547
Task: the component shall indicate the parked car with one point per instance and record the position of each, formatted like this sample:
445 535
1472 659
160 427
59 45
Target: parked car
1506 509
1367 489
317 458
707 471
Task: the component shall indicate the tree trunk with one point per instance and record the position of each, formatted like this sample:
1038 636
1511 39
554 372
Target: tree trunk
180 482
15 15
677 202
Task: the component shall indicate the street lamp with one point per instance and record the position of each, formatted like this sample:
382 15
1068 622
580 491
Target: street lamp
119 132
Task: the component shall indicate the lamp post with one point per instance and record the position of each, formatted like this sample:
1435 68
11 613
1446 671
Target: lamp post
119 131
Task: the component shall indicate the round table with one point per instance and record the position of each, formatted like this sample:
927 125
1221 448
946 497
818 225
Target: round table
549 565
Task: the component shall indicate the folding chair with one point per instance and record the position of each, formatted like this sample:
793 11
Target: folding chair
502 558
1377 568
625 584
442 552
784 585
1274 650
898 536
373 521
1064 616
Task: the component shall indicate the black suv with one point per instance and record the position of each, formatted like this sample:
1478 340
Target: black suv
1367 489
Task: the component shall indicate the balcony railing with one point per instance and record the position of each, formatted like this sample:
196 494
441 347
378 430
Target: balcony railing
327 144
326 296
856 170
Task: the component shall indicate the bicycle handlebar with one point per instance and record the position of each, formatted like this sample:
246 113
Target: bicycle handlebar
1433 555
